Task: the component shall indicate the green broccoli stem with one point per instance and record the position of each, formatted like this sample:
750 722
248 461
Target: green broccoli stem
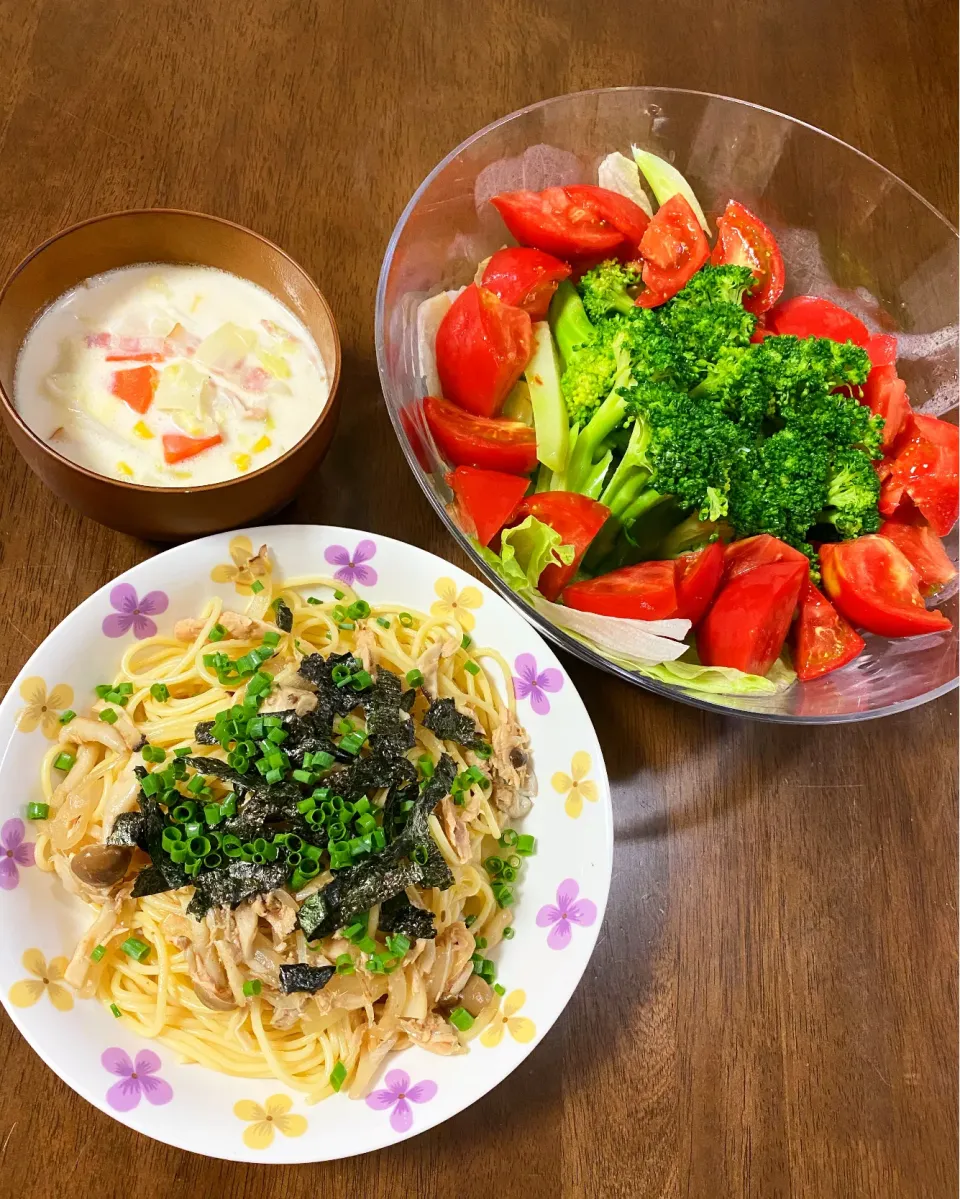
591 437
569 321
646 500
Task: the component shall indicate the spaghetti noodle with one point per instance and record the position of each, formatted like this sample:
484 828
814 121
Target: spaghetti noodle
208 987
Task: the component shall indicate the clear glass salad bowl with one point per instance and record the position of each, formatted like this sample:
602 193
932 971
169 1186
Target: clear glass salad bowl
849 230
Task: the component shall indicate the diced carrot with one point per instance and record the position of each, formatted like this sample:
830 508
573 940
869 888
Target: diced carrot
135 387
177 447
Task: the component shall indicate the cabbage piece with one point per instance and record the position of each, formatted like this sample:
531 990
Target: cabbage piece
665 181
620 174
720 680
181 386
646 641
429 315
524 551
274 364
226 347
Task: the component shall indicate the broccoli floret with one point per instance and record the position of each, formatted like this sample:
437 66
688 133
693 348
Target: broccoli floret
708 314
742 383
853 488
678 447
604 289
780 486
692 533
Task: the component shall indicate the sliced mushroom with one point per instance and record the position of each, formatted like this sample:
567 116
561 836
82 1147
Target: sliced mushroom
213 1001
101 865
476 995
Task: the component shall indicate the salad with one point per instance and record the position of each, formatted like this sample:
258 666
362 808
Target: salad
704 482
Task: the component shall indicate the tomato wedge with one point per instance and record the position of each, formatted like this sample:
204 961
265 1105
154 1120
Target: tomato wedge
177 447
627 217
524 277
551 221
465 440
482 347
486 499
924 549
882 349
811 316
741 556
873 584
673 249
698 577
885 394
646 591
744 240
822 639
925 468
135 387
577 519
748 622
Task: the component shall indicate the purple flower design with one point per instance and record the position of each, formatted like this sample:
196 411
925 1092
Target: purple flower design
136 1079
14 852
134 613
353 567
527 682
395 1096
569 910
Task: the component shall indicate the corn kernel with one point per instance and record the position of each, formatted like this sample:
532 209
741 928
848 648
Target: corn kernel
142 430
124 469
269 423
241 461
263 444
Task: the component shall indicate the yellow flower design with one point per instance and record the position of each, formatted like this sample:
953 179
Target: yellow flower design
519 1027
42 709
245 567
454 606
263 1120
46 978
578 788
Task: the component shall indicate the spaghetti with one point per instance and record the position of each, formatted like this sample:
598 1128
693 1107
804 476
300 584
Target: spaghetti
208 987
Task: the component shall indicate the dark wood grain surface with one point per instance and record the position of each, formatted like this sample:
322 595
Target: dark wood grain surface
772 1007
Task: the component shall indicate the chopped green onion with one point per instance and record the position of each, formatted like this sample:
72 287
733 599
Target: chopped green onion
493 865
150 785
526 845
160 692
115 1009
460 1018
471 920
366 944
252 986
398 944
135 948
217 633
338 595
414 678
66 717
124 688
102 690
64 761
338 1076
38 811
271 638
471 667
508 837
352 743
358 610
361 680
425 762
405 619
481 942
256 586
108 716
509 933
466 641
98 952
344 964
357 929
383 622
182 752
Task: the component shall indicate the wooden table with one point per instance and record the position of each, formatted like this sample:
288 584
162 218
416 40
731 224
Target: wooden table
771 1010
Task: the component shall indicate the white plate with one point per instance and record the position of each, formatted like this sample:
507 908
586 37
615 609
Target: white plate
541 966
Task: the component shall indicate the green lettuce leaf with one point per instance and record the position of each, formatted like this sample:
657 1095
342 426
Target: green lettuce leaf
524 551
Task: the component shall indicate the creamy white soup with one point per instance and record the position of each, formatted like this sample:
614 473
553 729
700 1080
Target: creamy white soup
169 376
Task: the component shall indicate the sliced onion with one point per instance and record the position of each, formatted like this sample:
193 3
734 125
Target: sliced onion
647 640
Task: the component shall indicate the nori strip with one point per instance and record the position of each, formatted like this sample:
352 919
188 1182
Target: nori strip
299 977
334 699
150 881
152 843
389 731
284 616
408 699
203 733
129 828
443 719
398 915
383 875
232 884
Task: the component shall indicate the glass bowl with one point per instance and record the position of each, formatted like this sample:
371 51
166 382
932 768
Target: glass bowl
849 230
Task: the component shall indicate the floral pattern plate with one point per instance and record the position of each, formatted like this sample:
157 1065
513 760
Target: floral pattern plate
561 897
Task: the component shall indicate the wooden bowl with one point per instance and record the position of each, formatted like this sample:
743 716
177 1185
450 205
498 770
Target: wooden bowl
164 235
